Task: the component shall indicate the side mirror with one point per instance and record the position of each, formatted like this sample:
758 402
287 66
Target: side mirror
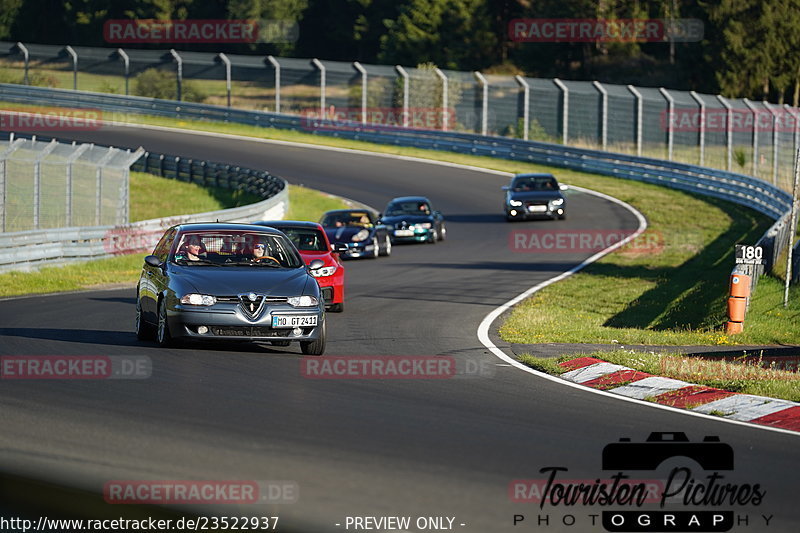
153 261
316 264
563 187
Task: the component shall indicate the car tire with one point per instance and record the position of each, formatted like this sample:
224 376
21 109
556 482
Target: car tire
442 232
144 331
387 246
337 308
376 250
316 347
163 336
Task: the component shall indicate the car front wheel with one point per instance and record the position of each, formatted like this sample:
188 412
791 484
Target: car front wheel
387 246
376 250
316 347
163 336
144 331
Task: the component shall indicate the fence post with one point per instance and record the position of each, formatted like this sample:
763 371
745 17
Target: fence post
775 142
603 114
364 86
74 56
26 59
445 98
222 57
670 125
792 228
99 188
403 74
796 133
564 110
179 72
702 139
752 108
728 130
638 96
319 66
277 67
484 101
526 93
127 62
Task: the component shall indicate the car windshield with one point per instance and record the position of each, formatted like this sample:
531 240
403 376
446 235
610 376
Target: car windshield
358 219
408 208
235 248
306 239
537 183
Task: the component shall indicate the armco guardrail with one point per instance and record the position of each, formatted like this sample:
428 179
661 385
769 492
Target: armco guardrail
738 188
31 249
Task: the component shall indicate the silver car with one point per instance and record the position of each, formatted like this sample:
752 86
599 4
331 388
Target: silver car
229 282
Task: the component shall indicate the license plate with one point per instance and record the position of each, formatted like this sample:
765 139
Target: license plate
294 321
537 208
403 233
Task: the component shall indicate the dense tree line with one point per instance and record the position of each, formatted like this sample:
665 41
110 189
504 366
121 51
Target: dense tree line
749 47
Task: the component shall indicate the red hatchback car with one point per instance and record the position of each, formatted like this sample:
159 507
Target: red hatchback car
311 241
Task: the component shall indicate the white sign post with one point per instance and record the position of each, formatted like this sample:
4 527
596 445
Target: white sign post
792 222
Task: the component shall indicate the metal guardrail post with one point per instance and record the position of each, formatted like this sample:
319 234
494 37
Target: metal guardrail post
564 110
445 99
74 56
603 113
775 142
127 62
526 93
670 125
702 139
403 74
364 86
178 72
484 102
37 181
638 96
26 59
69 188
728 131
222 57
319 66
277 67
752 108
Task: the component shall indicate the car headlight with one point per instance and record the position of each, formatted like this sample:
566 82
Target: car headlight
423 225
360 236
198 299
557 201
324 271
303 301
515 203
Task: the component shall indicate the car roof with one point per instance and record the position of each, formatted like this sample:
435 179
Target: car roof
355 209
534 175
409 199
289 224
221 226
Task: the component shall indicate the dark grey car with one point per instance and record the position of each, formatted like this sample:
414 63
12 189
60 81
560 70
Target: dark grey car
229 282
534 196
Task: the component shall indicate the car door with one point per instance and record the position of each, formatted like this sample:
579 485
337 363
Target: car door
154 278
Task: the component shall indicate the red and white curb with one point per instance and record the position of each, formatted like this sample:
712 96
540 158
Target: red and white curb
624 381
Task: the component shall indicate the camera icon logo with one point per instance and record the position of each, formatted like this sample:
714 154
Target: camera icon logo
710 454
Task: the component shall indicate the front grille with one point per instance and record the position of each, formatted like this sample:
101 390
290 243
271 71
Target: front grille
248 331
267 299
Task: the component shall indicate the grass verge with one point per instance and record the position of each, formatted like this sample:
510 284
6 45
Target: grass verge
304 204
746 378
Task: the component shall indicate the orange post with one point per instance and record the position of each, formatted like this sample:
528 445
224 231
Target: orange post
740 285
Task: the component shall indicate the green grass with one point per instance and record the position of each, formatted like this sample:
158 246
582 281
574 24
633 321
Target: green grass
734 377
154 197
147 200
